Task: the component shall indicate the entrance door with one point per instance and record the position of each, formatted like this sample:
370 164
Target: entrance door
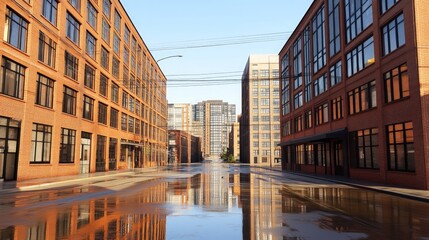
85 153
9 138
338 159
130 157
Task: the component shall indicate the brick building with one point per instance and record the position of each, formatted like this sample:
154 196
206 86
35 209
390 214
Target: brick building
79 91
183 147
354 92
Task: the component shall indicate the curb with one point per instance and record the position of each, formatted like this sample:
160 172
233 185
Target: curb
389 192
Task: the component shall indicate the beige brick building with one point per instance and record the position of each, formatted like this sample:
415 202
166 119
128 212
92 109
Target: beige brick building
260 120
79 91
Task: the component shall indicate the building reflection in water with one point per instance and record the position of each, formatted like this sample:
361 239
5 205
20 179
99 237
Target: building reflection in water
267 209
119 217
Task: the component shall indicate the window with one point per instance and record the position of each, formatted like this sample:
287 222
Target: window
362 98
400 140
265 118
16 30
319 45
321 153
117 21
298 101
132 84
47 50
300 154
127 36
115 67
365 144
126 56
131 104
105 34
298 124
124 122
75 4
49 10
89 80
69 100
124 100
297 63
321 114
67 147
100 158
265 101
41 142
114 118
335 73
115 93
286 129
88 108
360 57
308 119
91 15
397 85
73 28
320 85
358 17
106 8
45 91
308 92
91 44
334 27
102 113
104 58
337 108
130 124
71 66
133 45
12 79
116 43
103 85
387 4
393 35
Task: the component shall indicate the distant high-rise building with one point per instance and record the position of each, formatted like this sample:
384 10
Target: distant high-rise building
234 140
180 117
215 118
260 120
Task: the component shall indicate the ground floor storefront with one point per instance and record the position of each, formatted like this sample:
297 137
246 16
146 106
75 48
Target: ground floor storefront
360 155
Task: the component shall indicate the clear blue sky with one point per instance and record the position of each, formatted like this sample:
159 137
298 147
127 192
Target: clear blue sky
188 23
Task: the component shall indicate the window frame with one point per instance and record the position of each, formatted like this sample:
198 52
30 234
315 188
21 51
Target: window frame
46 87
20 42
41 135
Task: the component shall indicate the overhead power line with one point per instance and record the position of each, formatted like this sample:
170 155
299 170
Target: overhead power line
218 42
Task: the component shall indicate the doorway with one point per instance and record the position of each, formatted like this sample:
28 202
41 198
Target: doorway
85 152
338 159
9 139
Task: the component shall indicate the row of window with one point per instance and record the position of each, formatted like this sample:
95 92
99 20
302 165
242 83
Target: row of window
16 31
396 83
364 149
359 99
362 56
13 79
41 146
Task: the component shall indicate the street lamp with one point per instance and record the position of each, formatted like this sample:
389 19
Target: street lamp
173 56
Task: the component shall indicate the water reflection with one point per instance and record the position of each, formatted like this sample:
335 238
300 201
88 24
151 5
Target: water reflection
219 203
117 217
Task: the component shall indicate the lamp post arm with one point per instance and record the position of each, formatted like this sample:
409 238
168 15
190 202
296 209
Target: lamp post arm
168 57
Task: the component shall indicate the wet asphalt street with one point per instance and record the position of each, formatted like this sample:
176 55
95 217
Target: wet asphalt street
209 201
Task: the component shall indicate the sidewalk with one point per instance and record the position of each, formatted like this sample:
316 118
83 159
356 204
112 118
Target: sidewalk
415 194
27 185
